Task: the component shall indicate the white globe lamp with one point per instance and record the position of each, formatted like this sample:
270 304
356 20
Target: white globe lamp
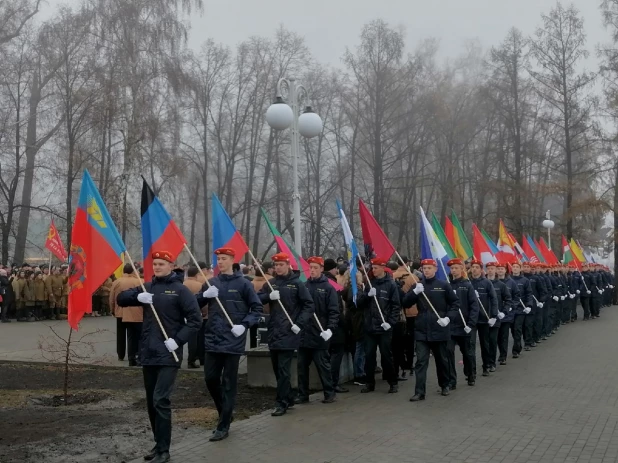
309 123
279 115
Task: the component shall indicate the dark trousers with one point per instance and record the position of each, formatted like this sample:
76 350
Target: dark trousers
196 345
383 341
574 308
134 333
546 319
121 338
440 355
557 314
410 343
517 328
537 325
221 375
159 383
595 307
528 329
493 344
586 307
483 331
398 347
321 358
4 309
282 366
566 309
465 347
337 351
503 339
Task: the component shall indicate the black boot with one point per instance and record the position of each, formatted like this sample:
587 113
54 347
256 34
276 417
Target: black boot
368 388
162 458
393 389
279 411
218 435
417 397
151 455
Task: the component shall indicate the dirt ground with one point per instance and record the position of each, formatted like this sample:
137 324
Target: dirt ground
106 419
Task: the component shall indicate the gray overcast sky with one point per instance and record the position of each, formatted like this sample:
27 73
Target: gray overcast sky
330 25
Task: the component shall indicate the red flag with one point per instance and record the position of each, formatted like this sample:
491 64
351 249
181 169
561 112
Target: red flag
480 246
54 243
96 247
506 247
549 256
529 251
373 236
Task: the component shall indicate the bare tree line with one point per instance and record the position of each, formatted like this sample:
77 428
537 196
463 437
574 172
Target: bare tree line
111 86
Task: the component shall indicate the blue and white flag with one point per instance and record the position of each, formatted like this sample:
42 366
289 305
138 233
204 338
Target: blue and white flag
352 249
431 247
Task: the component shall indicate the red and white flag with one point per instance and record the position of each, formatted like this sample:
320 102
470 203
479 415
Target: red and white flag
54 243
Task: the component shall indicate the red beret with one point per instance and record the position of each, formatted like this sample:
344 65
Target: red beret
226 252
455 261
476 261
429 262
500 264
164 255
388 270
491 264
281 257
378 261
316 260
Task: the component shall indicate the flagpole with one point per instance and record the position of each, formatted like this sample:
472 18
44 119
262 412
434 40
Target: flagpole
371 287
257 264
208 284
141 282
50 260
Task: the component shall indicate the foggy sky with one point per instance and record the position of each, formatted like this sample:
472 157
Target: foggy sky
328 26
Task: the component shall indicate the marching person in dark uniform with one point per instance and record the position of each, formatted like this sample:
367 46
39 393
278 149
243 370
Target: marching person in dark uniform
378 331
509 317
314 343
488 302
461 333
597 293
337 347
432 333
546 309
503 295
283 337
586 293
575 287
223 344
522 307
539 294
180 316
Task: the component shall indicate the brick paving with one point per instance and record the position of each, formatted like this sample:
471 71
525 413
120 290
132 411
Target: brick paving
557 403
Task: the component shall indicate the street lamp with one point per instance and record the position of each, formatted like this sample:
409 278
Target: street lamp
549 224
280 116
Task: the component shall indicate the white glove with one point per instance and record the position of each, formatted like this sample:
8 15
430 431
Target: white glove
527 310
611 286
295 329
145 298
443 322
601 291
467 329
577 291
326 335
274 295
572 296
556 298
372 292
419 288
238 330
491 321
562 298
477 293
500 315
540 305
211 292
588 292
170 344
385 326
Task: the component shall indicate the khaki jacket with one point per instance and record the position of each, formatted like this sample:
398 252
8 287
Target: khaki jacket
18 288
54 285
258 283
409 280
40 290
128 314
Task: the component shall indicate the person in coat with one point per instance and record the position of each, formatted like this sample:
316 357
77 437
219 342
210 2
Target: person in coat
488 302
432 332
180 316
586 293
381 307
522 307
196 343
462 332
128 319
40 297
4 296
509 316
503 296
533 321
314 342
337 346
225 344
282 334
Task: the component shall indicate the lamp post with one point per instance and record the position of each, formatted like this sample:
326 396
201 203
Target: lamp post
281 116
549 224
